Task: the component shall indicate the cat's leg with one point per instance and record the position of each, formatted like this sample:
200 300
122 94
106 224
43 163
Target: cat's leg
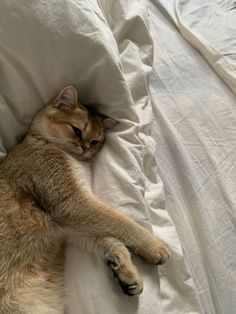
116 256
118 259
73 208
91 217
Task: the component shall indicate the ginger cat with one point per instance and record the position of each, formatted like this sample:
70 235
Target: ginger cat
43 204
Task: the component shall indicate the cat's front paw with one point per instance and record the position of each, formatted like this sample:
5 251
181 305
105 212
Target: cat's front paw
163 254
126 273
155 251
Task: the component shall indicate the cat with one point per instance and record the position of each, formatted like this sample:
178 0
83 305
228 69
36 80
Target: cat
44 204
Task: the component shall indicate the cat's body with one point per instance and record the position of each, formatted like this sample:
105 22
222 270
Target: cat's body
43 204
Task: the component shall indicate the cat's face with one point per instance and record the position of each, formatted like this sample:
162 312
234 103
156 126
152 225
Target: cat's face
68 124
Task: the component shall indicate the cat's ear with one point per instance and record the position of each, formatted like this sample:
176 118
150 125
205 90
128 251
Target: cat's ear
68 97
108 123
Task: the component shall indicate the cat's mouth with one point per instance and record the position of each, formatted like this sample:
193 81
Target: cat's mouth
86 155
79 152
74 150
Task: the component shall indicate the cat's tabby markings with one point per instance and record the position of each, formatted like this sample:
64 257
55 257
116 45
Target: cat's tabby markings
44 204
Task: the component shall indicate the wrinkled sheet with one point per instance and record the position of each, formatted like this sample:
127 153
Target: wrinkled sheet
105 49
194 106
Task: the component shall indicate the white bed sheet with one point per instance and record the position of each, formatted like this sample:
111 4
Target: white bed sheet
195 113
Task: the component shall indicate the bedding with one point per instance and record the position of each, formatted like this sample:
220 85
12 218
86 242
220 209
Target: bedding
170 161
193 99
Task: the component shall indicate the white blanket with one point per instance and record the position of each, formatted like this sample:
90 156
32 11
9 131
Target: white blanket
105 49
196 135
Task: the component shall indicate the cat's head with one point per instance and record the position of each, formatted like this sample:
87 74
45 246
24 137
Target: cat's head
71 126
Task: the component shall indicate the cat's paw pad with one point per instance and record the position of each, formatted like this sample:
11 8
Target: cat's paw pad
131 289
127 275
114 265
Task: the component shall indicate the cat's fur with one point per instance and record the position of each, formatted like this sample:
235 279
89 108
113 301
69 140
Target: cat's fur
43 203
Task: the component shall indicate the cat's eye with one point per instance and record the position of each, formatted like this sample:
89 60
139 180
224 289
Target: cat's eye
94 142
77 132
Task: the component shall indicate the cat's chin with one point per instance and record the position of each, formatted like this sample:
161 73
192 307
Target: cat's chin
83 157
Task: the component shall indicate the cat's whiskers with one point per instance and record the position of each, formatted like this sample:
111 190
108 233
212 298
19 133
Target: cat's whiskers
92 161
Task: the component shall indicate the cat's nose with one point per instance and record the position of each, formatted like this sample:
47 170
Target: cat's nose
86 146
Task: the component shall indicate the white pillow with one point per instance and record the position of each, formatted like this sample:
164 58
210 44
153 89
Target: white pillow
46 45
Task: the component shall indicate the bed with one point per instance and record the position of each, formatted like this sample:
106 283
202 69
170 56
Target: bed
166 71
